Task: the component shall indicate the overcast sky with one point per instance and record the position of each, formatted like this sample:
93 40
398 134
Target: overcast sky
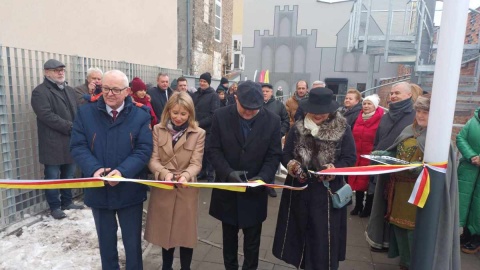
473 4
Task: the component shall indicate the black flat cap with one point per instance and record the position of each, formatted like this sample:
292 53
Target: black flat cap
267 85
250 95
53 64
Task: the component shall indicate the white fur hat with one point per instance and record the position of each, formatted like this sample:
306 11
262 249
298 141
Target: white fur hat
374 99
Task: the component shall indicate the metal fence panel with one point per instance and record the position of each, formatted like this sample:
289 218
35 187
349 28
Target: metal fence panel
21 71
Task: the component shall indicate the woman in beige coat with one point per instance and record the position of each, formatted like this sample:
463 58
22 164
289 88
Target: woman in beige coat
177 155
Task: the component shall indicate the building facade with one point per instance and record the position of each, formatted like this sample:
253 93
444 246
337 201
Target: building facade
307 41
205 36
142 32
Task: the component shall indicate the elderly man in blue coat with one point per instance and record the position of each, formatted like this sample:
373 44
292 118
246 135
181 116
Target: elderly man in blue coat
112 137
244 145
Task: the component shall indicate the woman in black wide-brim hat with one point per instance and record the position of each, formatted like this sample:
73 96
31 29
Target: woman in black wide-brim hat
310 233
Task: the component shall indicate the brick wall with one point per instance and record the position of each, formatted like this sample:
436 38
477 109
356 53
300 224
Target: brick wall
209 55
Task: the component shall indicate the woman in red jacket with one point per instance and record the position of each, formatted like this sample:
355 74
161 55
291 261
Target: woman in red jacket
364 134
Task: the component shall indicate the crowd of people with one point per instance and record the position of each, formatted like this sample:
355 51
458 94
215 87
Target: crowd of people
114 127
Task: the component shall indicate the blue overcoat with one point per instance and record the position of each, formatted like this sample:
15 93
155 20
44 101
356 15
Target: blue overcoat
126 145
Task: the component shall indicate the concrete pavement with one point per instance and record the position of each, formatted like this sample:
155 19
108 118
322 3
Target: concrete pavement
208 253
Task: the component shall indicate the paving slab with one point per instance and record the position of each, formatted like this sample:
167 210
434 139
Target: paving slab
208 254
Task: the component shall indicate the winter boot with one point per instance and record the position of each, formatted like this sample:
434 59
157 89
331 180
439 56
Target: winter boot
358 203
466 236
473 246
368 206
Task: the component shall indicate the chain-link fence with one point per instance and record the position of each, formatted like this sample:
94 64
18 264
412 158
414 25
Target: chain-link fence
21 70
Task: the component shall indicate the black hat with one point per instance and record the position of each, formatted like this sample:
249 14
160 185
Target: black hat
250 95
267 85
223 80
207 77
53 64
320 101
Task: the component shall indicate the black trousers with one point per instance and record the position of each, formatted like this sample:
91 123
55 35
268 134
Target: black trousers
185 258
251 246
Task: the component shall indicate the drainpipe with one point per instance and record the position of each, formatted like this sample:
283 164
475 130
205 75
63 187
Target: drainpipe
188 38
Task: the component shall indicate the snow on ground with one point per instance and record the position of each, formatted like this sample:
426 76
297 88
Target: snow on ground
69 243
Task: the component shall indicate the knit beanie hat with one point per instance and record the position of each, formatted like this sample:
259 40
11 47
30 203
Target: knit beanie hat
374 99
138 85
207 77
223 80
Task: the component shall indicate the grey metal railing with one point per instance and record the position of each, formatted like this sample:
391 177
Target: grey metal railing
20 71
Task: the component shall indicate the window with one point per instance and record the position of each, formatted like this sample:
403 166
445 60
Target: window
236 61
206 11
218 20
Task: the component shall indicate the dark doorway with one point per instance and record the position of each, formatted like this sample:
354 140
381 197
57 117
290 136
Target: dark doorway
338 86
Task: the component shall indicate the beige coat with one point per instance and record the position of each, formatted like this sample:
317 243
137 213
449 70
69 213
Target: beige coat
291 105
172 214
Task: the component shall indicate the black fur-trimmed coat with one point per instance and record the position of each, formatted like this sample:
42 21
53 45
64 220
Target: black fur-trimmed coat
304 217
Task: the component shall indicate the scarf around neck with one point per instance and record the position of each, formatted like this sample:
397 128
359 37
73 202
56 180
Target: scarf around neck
300 98
411 131
366 116
143 100
176 131
397 109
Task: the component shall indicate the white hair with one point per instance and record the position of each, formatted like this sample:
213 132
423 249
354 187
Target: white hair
92 70
405 85
117 73
319 82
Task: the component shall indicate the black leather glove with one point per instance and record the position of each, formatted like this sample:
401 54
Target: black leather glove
259 189
236 177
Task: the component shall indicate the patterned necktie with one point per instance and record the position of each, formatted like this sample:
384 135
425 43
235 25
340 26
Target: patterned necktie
114 115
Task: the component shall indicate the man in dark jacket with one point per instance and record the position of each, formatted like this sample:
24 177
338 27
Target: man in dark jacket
223 85
160 94
400 115
53 101
277 107
111 137
206 103
92 86
244 145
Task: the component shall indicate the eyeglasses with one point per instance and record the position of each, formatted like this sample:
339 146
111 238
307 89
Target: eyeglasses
58 70
115 91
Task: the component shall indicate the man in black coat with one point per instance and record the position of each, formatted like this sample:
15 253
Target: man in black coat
206 103
160 94
244 145
278 108
54 103
400 115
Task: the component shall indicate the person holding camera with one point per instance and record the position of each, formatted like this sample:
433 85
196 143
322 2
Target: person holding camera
244 145
91 87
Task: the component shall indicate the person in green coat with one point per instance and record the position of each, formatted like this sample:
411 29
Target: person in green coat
468 144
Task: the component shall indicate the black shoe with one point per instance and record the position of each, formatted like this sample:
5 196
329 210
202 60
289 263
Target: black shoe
465 237
271 192
358 203
373 249
368 206
58 214
73 206
473 246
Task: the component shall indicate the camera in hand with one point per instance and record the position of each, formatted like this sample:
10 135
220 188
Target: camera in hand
98 89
